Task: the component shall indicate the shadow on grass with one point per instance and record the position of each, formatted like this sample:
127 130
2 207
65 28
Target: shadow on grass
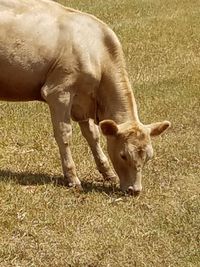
34 179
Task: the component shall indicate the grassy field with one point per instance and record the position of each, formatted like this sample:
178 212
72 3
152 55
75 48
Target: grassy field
45 225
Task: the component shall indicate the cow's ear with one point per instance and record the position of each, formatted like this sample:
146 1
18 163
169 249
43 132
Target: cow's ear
109 127
158 127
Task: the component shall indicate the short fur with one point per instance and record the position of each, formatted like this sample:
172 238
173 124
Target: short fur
73 62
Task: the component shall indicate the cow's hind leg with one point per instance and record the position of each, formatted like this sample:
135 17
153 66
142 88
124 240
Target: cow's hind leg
91 133
60 108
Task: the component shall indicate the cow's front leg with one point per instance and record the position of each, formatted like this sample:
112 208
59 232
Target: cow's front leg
91 133
60 108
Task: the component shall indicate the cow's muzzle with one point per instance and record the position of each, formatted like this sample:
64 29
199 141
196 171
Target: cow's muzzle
136 188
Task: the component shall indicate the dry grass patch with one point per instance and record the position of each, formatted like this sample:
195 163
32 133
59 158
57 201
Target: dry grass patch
42 224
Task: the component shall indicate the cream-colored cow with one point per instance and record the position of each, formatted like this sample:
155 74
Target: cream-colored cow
74 62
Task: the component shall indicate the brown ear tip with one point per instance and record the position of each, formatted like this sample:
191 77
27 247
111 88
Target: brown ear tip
167 124
108 127
102 124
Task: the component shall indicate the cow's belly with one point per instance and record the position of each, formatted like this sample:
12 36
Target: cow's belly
19 92
23 69
18 83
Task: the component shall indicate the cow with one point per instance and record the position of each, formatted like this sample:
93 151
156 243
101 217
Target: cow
74 62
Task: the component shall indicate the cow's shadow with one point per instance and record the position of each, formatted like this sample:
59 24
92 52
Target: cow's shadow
35 179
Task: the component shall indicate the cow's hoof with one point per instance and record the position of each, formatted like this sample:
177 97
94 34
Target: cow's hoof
110 178
65 182
77 187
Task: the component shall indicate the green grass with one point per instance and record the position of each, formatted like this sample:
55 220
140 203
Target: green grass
42 224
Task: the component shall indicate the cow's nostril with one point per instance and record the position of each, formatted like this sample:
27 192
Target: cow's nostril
132 192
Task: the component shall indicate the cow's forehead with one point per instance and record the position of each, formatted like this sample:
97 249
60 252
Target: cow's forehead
137 136
136 147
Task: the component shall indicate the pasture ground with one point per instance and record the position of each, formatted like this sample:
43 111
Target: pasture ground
45 225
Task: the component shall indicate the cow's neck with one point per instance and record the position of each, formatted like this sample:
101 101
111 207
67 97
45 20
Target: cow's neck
115 100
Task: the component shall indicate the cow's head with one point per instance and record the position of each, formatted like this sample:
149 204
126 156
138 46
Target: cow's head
129 147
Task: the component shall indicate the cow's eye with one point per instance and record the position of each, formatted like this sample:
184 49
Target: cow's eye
123 156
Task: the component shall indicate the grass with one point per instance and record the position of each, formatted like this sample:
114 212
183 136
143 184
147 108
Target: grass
42 224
